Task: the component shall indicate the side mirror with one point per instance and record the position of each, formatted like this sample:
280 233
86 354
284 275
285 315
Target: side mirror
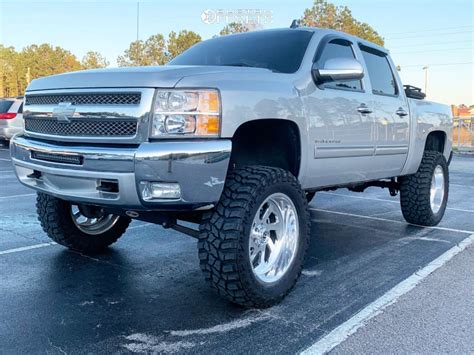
338 69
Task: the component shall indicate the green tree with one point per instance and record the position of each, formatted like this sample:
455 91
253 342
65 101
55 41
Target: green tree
156 50
327 15
178 43
234 27
93 60
44 60
133 56
10 76
150 52
34 61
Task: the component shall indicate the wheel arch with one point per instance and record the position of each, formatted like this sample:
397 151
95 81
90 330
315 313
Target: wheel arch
436 141
268 142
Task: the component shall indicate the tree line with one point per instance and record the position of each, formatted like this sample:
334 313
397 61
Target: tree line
18 68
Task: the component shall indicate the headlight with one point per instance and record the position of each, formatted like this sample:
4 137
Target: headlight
194 113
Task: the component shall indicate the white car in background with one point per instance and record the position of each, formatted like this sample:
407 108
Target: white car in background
11 117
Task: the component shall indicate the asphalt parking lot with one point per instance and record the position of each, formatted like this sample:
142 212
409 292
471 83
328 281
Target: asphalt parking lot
147 294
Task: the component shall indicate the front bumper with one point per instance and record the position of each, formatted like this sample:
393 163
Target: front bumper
199 167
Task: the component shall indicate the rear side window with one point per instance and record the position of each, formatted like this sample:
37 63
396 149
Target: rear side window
5 105
20 109
381 75
338 48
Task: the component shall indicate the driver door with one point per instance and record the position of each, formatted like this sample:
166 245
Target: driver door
340 122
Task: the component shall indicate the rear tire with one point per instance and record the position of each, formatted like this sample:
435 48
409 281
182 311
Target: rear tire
234 237
424 195
56 217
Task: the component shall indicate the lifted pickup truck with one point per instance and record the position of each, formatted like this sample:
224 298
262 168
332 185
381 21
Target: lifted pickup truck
236 134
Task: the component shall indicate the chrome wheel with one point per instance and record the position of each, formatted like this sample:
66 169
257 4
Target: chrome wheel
437 189
92 225
273 238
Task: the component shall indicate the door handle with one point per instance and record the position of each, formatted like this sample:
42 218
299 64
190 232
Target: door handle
363 109
401 112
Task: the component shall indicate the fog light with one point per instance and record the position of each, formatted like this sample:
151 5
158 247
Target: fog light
160 190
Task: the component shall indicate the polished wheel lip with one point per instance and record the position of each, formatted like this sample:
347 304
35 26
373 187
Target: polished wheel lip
92 226
274 238
437 189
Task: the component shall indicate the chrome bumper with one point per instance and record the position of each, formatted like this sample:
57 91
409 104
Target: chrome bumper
199 167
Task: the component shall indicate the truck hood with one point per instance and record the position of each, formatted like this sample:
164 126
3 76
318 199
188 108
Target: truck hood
166 76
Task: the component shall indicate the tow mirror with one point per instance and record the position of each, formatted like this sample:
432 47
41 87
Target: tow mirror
338 69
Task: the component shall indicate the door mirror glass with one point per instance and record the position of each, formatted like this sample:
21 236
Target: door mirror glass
338 69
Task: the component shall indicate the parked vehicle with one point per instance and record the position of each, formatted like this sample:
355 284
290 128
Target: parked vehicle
235 134
11 117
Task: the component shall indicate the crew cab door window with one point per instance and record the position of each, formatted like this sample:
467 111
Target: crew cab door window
338 48
380 73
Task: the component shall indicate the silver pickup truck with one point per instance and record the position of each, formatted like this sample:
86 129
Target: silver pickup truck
235 135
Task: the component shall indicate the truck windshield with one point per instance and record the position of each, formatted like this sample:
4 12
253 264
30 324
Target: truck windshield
277 50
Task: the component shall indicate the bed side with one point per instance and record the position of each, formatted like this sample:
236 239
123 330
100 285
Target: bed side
427 117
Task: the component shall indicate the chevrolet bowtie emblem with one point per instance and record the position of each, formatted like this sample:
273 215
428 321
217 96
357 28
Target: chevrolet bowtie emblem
64 111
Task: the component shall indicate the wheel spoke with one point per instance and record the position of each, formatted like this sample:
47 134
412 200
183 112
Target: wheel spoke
273 238
266 214
271 245
437 189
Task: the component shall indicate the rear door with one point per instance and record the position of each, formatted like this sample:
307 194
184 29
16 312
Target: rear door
392 124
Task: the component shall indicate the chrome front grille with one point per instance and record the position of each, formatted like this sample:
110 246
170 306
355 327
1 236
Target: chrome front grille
95 115
80 128
125 98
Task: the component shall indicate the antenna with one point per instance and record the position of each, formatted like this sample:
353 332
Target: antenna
295 24
138 18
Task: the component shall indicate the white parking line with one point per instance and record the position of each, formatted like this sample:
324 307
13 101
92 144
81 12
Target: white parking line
360 319
385 200
15 196
4 159
140 226
42 245
35 246
391 220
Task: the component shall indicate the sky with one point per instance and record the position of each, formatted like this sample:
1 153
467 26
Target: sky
437 33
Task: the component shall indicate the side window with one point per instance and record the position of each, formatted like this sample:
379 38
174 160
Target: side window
338 48
381 76
20 109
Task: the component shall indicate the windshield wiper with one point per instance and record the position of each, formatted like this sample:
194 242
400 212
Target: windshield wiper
238 65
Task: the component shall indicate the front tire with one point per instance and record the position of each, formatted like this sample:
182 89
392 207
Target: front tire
252 246
310 196
69 225
424 195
